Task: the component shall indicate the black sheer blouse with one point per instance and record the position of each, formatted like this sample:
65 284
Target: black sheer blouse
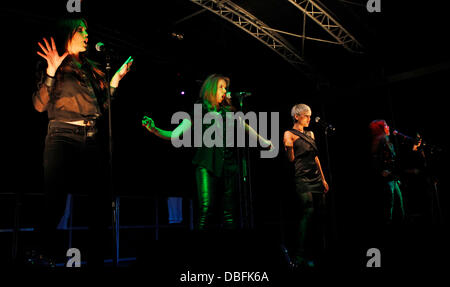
75 93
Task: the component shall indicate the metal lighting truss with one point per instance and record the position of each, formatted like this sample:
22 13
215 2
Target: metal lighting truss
328 23
255 27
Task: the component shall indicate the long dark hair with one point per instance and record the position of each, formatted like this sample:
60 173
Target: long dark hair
66 29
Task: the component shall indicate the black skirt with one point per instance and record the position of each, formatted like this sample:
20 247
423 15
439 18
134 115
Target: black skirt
306 185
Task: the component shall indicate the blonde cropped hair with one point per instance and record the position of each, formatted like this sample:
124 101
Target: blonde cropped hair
299 109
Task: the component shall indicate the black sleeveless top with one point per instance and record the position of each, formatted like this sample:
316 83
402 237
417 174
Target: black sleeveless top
305 151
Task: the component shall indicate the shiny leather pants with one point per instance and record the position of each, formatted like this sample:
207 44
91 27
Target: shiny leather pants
395 199
216 192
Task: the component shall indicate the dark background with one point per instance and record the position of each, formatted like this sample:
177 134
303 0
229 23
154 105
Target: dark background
357 88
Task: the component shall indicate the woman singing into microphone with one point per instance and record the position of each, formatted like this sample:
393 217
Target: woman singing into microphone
216 167
385 169
72 90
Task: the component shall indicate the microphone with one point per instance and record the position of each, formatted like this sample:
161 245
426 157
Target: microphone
325 124
178 36
397 133
415 141
238 94
100 47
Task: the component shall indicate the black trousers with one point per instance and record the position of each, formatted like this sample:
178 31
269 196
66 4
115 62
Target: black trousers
217 194
74 162
310 230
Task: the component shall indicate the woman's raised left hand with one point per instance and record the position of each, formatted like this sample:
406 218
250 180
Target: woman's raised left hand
123 70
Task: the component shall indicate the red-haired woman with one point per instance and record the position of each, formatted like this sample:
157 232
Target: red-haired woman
385 168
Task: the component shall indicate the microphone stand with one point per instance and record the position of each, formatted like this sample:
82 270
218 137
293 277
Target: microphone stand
328 153
114 201
432 182
333 225
425 151
246 192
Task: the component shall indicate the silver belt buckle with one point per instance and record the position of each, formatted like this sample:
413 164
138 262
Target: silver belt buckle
90 133
88 123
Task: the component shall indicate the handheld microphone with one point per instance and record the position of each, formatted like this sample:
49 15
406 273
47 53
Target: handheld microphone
324 124
397 133
415 140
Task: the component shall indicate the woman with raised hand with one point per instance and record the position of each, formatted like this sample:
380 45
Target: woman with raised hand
73 91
